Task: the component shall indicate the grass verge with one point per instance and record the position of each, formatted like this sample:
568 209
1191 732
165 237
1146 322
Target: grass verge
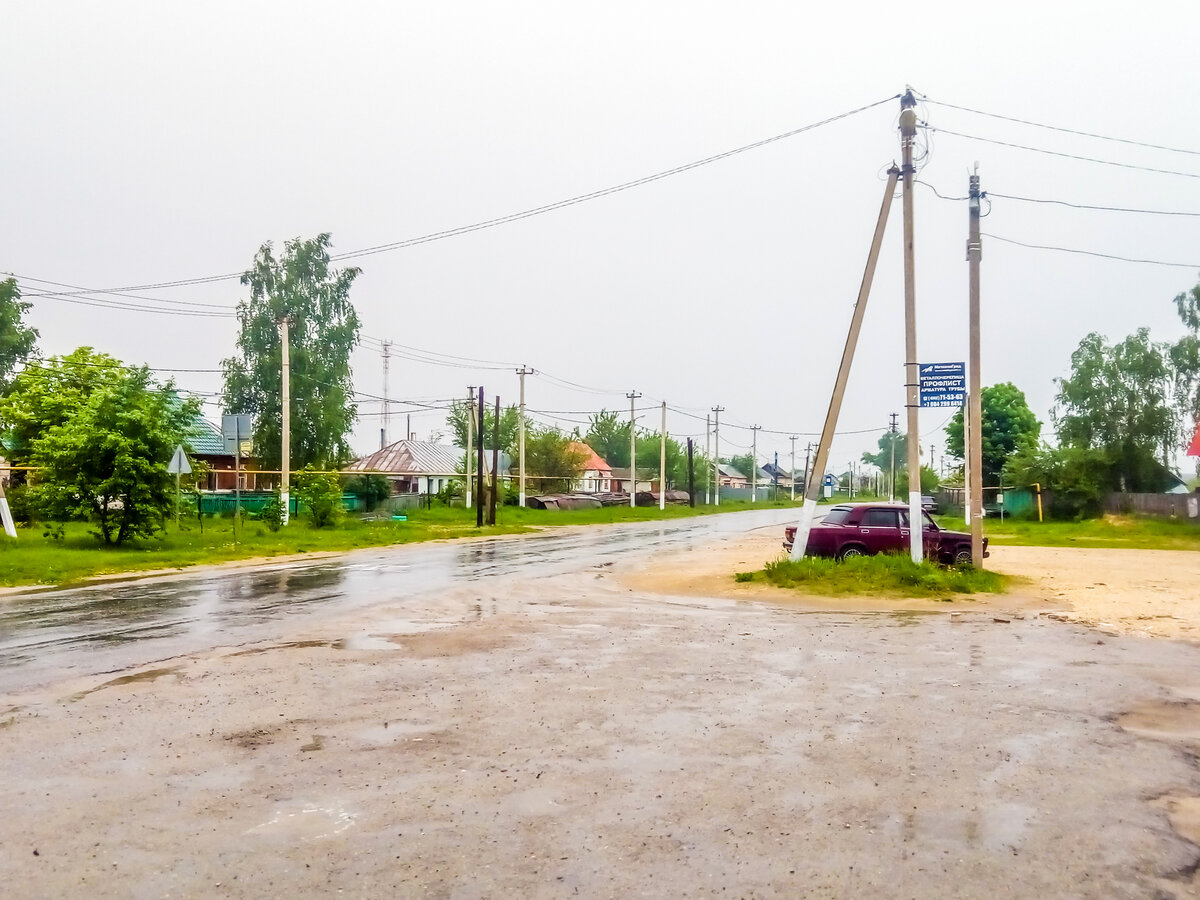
1108 532
35 558
884 575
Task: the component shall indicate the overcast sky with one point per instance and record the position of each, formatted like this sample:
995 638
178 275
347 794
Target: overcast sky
151 142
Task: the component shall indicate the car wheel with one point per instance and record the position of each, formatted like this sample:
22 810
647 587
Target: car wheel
851 552
962 556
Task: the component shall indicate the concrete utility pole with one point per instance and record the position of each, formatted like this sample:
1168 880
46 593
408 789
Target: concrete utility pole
807 454
479 495
470 445
754 463
632 395
792 474
707 455
662 461
521 432
813 486
892 483
908 134
717 410
285 479
387 404
6 514
975 453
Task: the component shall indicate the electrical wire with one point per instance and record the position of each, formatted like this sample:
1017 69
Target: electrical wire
1059 153
1150 262
1121 209
78 290
1088 134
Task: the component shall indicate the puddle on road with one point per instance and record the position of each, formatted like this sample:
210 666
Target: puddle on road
1165 720
312 823
147 675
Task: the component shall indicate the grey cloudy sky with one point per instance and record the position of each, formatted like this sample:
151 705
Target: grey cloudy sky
150 142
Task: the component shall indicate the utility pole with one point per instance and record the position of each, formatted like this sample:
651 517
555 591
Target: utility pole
707 455
754 463
813 487
479 466
908 134
691 475
285 479
470 443
792 474
807 452
717 410
523 371
662 461
6 514
632 395
892 483
974 254
387 404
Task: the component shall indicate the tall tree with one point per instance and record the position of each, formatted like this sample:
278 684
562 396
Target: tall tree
302 287
17 339
608 435
550 456
102 435
1009 425
510 422
1119 399
883 459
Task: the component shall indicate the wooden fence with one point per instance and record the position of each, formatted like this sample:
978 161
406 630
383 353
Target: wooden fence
1184 506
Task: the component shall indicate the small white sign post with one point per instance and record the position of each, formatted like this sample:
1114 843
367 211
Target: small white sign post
178 465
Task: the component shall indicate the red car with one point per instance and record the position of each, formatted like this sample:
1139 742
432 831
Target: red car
862 529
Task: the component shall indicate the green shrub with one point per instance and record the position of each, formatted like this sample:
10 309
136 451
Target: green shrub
322 494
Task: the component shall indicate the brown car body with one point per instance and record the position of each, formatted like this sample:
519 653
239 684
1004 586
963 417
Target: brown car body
864 529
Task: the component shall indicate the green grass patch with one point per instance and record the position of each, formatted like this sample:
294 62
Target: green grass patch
1108 532
884 575
36 559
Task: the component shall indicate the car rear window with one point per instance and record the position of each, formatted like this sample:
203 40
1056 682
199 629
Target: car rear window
837 515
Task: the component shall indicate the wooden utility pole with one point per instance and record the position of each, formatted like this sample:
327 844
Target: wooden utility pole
632 395
807 454
479 466
975 409
754 463
495 465
812 487
892 483
908 134
692 475
707 455
792 474
523 371
285 478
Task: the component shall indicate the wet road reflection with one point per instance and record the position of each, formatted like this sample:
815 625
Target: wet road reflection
84 631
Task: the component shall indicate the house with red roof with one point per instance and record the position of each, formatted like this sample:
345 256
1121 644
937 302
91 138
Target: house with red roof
597 474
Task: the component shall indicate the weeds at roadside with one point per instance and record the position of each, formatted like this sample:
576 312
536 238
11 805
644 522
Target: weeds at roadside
886 575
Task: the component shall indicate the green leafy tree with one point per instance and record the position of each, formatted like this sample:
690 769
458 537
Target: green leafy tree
17 340
1185 356
50 393
372 489
1119 399
299 286
103 450
549 454
321 492
1008 426
929 482
608 435
1076 478
883 459
510 425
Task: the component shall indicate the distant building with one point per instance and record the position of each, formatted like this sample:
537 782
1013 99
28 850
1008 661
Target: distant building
597 474
416 467
621 480
205 444
731 477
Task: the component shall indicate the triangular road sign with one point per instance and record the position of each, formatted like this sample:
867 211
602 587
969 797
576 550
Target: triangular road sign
179 464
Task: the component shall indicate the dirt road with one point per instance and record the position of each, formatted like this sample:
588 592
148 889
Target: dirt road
586 735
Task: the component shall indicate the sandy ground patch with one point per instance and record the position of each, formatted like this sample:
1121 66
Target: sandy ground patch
1147 592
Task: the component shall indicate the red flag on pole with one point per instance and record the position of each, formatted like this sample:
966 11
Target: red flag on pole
1194 446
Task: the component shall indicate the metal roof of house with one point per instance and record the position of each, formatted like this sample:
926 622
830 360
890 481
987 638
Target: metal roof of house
412 458
204 437
594 461
729 471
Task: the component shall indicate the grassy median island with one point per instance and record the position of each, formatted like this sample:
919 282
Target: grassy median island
885 575
36 557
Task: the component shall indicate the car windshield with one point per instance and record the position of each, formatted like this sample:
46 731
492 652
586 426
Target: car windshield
837 515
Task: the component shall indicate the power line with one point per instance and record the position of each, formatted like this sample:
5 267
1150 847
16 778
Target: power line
1089 134
82 291
1150 262
1058 153
1122 209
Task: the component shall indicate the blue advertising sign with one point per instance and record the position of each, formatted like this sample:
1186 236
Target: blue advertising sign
943 384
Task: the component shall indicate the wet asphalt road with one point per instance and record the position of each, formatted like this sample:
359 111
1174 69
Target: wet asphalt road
49 635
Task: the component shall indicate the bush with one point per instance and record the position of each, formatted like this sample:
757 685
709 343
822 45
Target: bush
20 504
322 494
272 512
373 489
